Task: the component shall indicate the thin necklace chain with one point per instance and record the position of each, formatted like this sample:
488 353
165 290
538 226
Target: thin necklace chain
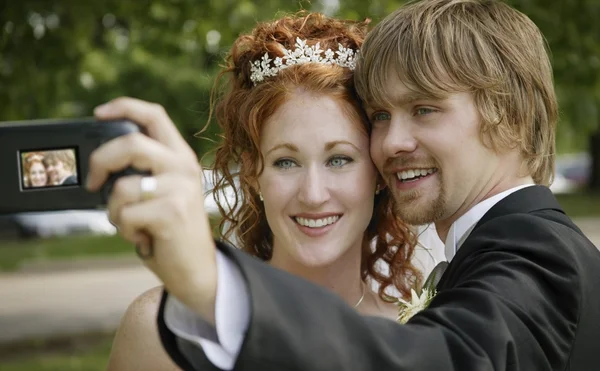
361 298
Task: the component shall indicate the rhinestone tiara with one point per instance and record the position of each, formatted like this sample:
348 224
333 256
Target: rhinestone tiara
344 57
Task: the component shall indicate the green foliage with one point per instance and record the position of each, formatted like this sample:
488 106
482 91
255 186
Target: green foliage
61 58
581 204
572 31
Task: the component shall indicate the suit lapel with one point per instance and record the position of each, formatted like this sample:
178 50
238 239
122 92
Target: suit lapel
526 200
436 275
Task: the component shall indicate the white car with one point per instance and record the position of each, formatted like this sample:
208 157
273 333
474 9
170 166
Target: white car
71 222
65 222
562 185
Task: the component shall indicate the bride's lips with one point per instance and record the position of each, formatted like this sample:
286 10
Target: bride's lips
315 225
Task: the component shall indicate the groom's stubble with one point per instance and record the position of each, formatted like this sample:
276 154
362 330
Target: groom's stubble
416 207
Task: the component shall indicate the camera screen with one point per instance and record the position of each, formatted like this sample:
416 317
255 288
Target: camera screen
48 168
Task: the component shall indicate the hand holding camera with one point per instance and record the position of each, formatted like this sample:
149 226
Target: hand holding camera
165 209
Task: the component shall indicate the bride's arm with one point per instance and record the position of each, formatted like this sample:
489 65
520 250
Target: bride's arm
137 345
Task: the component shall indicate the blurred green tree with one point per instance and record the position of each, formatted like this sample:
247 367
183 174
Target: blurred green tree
61 58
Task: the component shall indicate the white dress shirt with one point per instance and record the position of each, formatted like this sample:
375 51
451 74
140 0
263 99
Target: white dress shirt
232 307
462 227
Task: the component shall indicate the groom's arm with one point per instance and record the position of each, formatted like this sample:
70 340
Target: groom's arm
505 311
190 340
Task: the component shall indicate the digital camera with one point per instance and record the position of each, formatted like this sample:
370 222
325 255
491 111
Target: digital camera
43 163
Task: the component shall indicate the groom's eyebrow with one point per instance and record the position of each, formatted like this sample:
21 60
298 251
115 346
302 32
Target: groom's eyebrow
400 100
289 146
411 97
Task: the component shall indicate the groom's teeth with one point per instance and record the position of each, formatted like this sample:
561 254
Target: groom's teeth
317 223
414 173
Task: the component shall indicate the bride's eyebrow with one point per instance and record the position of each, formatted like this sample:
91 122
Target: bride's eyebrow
289 146
330 145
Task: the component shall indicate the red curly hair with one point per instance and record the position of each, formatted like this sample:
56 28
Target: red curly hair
27 161
242 109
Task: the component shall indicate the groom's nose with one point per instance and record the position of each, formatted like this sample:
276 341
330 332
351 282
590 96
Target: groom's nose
398 139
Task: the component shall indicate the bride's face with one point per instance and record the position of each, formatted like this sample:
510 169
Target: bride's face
37 174
318 182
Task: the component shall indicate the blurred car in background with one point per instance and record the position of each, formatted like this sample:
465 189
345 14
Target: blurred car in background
562 185
55 224
73 222
573 173
575 168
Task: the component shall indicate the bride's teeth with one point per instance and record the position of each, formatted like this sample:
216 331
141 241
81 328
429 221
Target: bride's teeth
317 223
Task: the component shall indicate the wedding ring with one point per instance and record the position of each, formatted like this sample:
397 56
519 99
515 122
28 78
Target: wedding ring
148 185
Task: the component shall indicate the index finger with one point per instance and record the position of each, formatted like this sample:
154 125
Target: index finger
151 116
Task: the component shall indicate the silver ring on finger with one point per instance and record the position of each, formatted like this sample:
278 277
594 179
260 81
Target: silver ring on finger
148 186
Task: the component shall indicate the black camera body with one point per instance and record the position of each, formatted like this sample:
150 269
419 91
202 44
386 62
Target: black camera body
43 163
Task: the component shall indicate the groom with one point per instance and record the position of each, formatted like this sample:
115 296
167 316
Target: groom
463 90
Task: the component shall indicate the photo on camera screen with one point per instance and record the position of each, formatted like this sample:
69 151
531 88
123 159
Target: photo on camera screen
48 168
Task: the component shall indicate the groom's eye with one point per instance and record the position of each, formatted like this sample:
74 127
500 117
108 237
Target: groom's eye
421 111
380 116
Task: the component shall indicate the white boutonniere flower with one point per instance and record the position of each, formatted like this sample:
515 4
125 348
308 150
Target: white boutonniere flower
420 298
418 302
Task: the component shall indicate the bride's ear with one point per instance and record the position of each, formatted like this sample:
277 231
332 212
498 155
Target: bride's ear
252 181
256 188
380 185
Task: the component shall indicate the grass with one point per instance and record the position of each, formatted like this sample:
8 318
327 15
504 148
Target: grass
15 252
85 354
581 204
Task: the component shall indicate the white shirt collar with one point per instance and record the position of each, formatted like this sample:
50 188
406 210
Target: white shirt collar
462 227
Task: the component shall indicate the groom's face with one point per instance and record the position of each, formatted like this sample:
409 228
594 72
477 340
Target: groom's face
430 153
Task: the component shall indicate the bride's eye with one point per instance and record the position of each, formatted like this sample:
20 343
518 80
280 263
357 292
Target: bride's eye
339 161
284 163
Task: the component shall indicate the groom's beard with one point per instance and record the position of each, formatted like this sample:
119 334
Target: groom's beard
418 208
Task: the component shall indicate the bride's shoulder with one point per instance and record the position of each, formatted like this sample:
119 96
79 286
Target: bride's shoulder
137 342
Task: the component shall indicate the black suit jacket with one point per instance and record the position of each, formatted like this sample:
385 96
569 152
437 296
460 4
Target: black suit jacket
522 293
71 179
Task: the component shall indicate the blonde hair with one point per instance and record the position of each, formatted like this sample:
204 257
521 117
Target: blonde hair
66 156
484 47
